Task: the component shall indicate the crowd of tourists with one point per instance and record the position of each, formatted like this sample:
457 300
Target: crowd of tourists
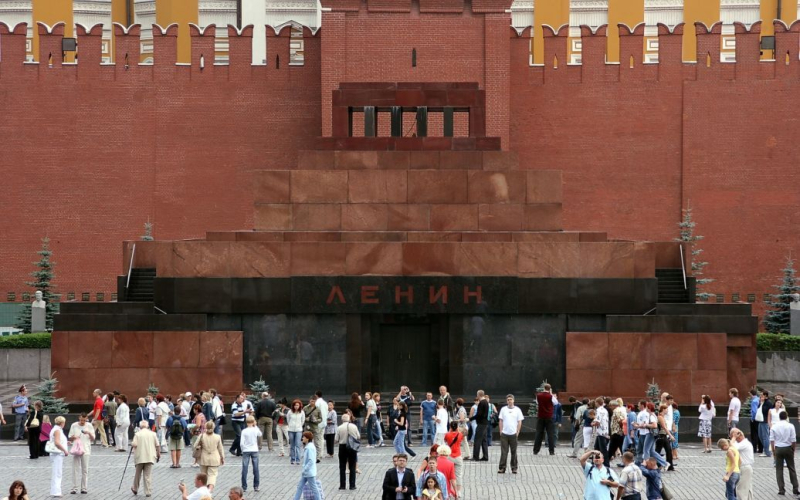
643 439
646 436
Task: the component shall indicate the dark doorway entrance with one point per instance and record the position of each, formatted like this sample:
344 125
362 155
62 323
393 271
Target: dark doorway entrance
409 353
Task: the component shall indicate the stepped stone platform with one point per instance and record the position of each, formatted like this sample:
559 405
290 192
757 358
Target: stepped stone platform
370 267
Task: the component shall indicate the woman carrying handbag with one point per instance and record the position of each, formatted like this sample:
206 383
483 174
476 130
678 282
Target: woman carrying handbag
33 426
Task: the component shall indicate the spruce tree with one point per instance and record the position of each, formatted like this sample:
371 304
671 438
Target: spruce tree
687 235
43 282
533 409
46 393
148 231
777 320
653 392
257 388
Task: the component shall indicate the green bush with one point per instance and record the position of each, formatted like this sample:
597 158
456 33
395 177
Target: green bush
26 341
777 342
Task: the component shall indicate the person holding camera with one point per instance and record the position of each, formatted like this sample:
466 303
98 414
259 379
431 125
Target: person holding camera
201 488
601 481
407 398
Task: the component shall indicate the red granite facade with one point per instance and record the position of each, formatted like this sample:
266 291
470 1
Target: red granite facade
657 137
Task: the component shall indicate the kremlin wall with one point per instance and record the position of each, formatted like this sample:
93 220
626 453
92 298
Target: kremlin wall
92 151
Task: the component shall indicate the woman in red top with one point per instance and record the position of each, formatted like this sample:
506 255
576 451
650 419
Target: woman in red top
453 439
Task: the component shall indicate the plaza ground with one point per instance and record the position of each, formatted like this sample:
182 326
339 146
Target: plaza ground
699 476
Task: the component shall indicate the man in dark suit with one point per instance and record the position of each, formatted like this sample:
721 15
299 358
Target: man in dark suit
481 418
399 482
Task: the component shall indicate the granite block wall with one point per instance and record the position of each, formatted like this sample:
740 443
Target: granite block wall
128 361
684 364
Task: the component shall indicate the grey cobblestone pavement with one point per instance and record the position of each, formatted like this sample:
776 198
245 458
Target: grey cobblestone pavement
698 476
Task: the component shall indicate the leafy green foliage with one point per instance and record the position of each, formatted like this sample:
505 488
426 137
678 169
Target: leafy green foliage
777 320
777 342
152 390
26 341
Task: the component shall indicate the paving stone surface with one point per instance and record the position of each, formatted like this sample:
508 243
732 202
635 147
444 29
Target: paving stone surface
698 476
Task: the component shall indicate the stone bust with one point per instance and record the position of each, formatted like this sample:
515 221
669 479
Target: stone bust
795 303
38 301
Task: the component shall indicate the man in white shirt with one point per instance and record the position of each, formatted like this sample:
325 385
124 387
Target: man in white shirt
783 440
642 419
218 409
510 424
200 482
734 408
186 408
744 488
601 423
249 444
322 405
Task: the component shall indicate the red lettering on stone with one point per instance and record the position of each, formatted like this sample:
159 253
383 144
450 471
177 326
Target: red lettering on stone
368 295
476 294
436 295
336 292
408 294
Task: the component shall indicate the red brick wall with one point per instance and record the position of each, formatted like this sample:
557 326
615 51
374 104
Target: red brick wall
90 153
462 46
638 144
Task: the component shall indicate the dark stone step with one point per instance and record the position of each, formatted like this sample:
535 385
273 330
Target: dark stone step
127 307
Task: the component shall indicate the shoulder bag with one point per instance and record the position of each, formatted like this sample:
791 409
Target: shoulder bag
34 421
50 446
353 444
197 452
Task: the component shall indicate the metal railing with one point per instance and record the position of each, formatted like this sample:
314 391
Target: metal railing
683 268
130 267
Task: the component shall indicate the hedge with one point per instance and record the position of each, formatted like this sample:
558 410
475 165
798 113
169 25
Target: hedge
777 342
26 341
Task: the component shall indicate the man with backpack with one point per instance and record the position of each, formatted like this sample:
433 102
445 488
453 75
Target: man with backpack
176 426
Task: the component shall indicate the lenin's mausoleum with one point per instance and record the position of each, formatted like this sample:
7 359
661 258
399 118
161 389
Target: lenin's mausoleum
415 204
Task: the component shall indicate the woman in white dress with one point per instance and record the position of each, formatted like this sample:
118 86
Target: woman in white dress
123 417
59 440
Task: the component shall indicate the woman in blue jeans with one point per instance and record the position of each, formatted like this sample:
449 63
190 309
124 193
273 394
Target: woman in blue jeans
650 437
731 476
400 437
294 422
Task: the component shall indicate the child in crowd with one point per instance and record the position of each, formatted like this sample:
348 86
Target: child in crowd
432 490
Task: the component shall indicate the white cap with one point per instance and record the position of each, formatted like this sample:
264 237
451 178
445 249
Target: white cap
188 394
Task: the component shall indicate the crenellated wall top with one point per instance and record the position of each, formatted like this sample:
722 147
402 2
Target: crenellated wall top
748 64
